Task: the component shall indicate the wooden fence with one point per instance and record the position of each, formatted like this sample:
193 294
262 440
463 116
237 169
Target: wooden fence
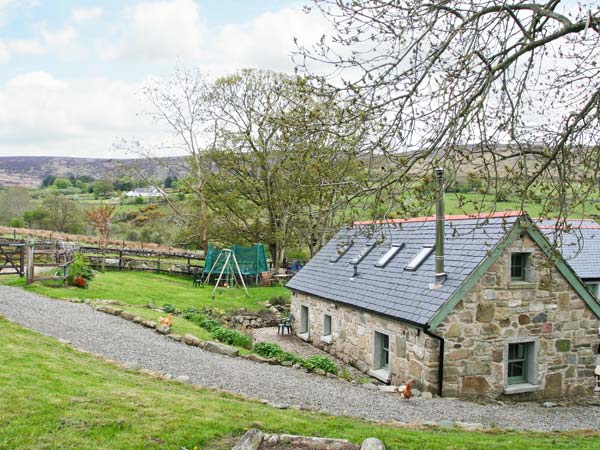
12 257
144 260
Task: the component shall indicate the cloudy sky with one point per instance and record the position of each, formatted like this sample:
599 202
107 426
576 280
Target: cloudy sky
71 71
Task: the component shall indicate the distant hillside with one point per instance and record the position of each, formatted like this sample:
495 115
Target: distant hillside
29 171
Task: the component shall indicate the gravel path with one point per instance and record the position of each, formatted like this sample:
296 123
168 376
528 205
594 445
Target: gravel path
127 342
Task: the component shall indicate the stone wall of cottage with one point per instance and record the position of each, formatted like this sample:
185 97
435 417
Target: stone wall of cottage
413 354
495 311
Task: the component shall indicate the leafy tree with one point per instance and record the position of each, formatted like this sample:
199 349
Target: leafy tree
35 217
103 188
511 89
62 183
280 177
169 181
48 181
63 214
123 184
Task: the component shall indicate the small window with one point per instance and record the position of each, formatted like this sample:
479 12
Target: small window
593 287
382 351
304 319
363 252
420 258
326 325
517 363
519 267
389 255
340 250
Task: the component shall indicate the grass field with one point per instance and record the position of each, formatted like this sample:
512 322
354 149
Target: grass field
141 288
53 397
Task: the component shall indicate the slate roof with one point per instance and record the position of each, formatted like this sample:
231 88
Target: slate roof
392 290
579 246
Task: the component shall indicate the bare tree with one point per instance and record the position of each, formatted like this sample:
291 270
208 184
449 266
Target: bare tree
180 104
510 90
101 219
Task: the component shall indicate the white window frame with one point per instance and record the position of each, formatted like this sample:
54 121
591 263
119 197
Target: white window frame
327 328
532 383
304 321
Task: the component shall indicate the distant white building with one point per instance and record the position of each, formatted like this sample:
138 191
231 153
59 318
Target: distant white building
148 192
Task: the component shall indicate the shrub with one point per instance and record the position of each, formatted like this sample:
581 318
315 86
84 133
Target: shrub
168 308
268 349
79 273
279 300
287 356
232 337
320 362
206 322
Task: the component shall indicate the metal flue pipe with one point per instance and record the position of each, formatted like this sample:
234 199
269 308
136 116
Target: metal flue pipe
440 275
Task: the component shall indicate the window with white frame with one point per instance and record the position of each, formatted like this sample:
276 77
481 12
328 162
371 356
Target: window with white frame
327 325
303 319
521 363
382 351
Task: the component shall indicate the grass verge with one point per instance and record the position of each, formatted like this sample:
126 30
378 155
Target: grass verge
53 397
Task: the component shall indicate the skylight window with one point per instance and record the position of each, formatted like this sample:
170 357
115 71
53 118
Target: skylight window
340 251
363 252
420 258
389 255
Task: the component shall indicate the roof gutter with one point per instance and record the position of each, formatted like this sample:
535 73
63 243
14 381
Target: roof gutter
440 377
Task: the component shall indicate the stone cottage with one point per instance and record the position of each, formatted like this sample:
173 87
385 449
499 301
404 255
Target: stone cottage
461 306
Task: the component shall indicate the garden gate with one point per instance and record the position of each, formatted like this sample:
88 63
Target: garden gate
12 257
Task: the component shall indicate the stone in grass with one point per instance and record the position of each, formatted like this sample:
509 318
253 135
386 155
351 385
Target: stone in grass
133 365
222 349
182 379
190 339
549 405
176 337
110 310
426 395
372 444
127 315
256 358
163 329
251 440
287 363
149 324
138 319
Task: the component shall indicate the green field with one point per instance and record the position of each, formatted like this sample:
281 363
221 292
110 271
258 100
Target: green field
142 288
53 397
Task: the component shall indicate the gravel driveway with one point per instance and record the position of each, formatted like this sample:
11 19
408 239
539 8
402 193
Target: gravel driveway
127 342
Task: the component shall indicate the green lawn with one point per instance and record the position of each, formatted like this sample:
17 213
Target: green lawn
141 288
53 397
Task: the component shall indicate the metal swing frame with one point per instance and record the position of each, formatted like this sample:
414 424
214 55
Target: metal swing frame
230 259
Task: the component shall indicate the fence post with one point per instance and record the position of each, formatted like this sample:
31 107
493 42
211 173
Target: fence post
22 258
30 268
120 260
158 262
189 268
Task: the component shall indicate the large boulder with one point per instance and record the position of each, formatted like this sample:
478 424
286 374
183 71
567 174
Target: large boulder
216 347
190 339
372 444
251 440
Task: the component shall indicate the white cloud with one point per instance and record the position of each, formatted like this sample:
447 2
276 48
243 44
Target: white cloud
83 14
268 40
159 30
26 46
4 53
63 41
40 114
